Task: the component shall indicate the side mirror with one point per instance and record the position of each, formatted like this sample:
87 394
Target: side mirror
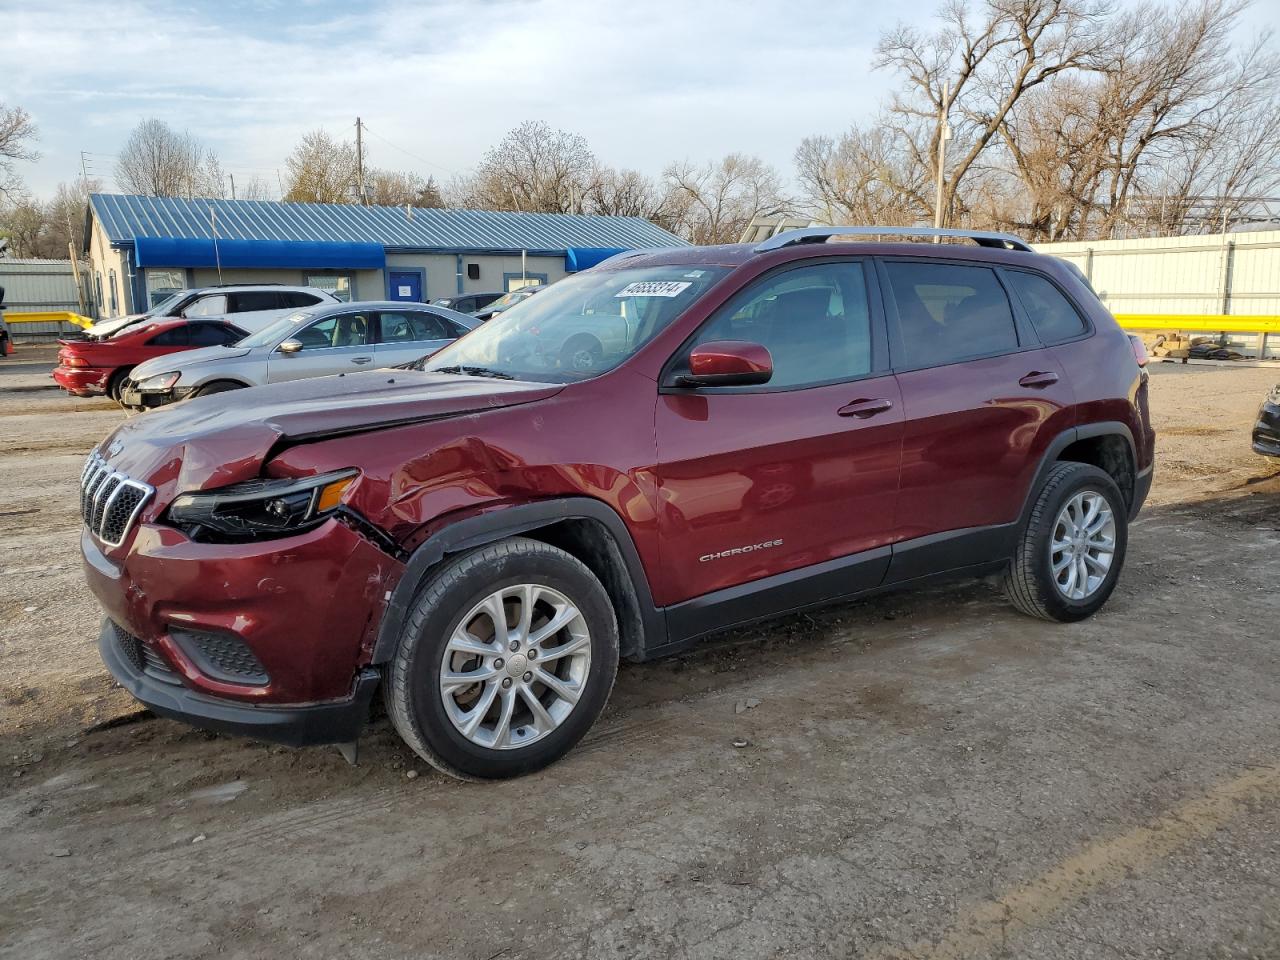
290 346
727 363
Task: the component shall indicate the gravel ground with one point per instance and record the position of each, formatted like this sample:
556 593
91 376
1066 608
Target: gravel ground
927 775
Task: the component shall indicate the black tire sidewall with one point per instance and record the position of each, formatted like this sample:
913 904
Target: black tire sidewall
426 709
1060 607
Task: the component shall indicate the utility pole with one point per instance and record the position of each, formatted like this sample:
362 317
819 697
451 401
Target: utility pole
360 161
944 134
232 177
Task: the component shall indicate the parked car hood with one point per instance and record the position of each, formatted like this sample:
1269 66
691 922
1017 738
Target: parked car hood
184 360
221 439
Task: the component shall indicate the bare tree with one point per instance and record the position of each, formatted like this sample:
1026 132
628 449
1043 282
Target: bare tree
863 177
396 189
255 188
24 224
321 170
17 132
715 202
535 168
161 162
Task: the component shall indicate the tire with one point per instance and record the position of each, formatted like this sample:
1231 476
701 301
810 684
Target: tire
431 720
581 353
116 382
218 386
1031 581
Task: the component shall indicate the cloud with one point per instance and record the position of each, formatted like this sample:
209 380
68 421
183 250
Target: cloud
645 83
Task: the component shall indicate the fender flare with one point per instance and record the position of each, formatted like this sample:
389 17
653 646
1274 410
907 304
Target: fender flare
1088 431
486 528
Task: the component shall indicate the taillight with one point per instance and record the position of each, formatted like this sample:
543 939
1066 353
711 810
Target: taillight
74 362
1139 350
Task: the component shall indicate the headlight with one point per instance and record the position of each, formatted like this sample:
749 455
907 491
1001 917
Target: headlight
261 508
161 381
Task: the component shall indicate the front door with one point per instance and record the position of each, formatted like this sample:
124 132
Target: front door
982 400
798 475
338 343
406 286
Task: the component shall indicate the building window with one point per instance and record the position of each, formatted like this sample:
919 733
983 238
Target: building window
341 285
164 283
115 296
100 303
514 281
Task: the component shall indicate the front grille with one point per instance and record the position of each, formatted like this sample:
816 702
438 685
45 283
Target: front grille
110 502
222 656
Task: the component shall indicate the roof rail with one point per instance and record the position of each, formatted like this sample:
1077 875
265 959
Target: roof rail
983 238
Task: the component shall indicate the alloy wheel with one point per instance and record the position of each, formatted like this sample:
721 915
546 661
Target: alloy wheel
1082 545
515 666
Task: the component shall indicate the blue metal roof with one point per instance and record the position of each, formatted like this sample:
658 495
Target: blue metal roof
126 218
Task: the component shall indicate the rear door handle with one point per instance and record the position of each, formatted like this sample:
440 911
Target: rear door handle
1037 379
362 359
865 408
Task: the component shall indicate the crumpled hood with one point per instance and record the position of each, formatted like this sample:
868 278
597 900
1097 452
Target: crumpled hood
183 361
221 439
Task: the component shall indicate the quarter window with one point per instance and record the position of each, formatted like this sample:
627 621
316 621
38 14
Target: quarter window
1052 314
948 313
814 321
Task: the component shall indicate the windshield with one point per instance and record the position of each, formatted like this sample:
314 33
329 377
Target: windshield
280 330
580 327
167 304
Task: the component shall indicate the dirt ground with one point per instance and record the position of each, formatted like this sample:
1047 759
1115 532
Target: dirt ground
927 775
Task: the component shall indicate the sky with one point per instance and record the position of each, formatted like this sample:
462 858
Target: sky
437 83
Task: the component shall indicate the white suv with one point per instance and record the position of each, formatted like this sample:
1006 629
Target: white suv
251 307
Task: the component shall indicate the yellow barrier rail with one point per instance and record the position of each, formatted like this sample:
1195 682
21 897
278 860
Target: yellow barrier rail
1199 322
48 316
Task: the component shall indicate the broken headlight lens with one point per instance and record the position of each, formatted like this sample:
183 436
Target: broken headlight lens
260 508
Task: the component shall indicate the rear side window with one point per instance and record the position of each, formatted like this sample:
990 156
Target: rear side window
177 337
291 299
252 300
814 321
948 313
414 325
1052 314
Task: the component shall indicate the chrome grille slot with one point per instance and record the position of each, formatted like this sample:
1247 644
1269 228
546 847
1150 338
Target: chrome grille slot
110 502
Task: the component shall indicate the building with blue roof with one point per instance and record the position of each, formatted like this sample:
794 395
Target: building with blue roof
141 249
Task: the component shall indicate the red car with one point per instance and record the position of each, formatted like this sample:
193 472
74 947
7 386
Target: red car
89 368
671 444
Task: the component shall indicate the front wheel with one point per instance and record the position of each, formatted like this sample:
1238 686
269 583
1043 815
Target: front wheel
1070 554
505 661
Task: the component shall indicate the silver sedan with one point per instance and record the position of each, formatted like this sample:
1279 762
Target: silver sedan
316 342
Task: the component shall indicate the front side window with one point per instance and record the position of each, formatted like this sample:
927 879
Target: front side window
213 306
948 313
581 326
1052 314
339 330
814 321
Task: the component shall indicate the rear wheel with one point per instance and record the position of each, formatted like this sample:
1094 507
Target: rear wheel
508 656
1071 552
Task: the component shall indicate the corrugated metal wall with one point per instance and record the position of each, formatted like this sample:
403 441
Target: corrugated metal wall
38 286
1236 273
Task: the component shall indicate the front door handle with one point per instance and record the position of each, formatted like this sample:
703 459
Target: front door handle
865 408
1038 379
362 359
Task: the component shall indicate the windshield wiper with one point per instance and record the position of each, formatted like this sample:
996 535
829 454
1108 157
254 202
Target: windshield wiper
474 371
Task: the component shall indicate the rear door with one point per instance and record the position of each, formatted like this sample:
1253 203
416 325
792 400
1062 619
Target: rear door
337 343
982 400
406 335
798 473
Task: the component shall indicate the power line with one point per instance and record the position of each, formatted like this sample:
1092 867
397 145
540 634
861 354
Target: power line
408 153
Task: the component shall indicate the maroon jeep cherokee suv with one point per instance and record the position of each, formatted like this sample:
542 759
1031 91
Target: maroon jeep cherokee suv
671 444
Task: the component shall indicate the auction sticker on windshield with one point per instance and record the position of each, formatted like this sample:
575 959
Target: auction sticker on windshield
654 288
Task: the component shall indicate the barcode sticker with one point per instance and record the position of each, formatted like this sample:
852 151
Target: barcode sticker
654 288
